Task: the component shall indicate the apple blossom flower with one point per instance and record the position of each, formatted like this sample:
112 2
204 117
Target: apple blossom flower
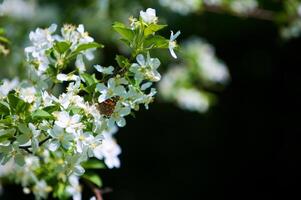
59 138
149 16
146 68
28 94
70 123
74 188
8 86
112 90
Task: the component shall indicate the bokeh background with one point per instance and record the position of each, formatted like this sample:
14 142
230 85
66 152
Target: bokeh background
246 146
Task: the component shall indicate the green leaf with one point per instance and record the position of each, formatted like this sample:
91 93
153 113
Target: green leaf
62 47
22 107
94 178
90 89
51 109
122 61
25 135
7 134
156 42
17 104
3 39
4 108
23 128
13 100
94 164
86 46
2 31
152 28
89 79
23 138
124 31
6 121
19 159
41 114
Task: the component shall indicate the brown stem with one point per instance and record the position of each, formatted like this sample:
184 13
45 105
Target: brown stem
97 192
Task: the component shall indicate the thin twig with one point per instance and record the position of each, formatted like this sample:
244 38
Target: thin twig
26 148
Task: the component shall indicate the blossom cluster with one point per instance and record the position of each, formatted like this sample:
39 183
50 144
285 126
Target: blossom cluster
200 68
184 7
292 28
17 8
60 122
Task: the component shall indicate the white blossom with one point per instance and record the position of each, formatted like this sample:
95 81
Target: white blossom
243 6
112 90
8 86
74 189
146 68
20 9
149 16
68 122
59 138
172 43
28 94
192 100
118 115
182 7
109 150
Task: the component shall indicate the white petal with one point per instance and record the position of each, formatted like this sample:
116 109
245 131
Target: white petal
98 152
81 29
120 91
146 85
79 170
62 77
98 68
102 98
53 145
174 36
121 122
101 87
141 60
125 111
79 63
52 28
172 52
151 11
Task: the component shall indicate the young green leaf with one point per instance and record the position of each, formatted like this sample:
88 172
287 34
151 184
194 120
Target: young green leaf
7 134
41 114
94 164
86 46
94 178
156 42
4 108
122 61
124 31
19 159
89 79
152 28
23 128
62 47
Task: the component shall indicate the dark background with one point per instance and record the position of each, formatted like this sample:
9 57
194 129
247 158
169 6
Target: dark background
246 147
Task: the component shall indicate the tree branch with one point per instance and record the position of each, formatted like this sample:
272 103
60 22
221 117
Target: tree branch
257 13
97 192
26 148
